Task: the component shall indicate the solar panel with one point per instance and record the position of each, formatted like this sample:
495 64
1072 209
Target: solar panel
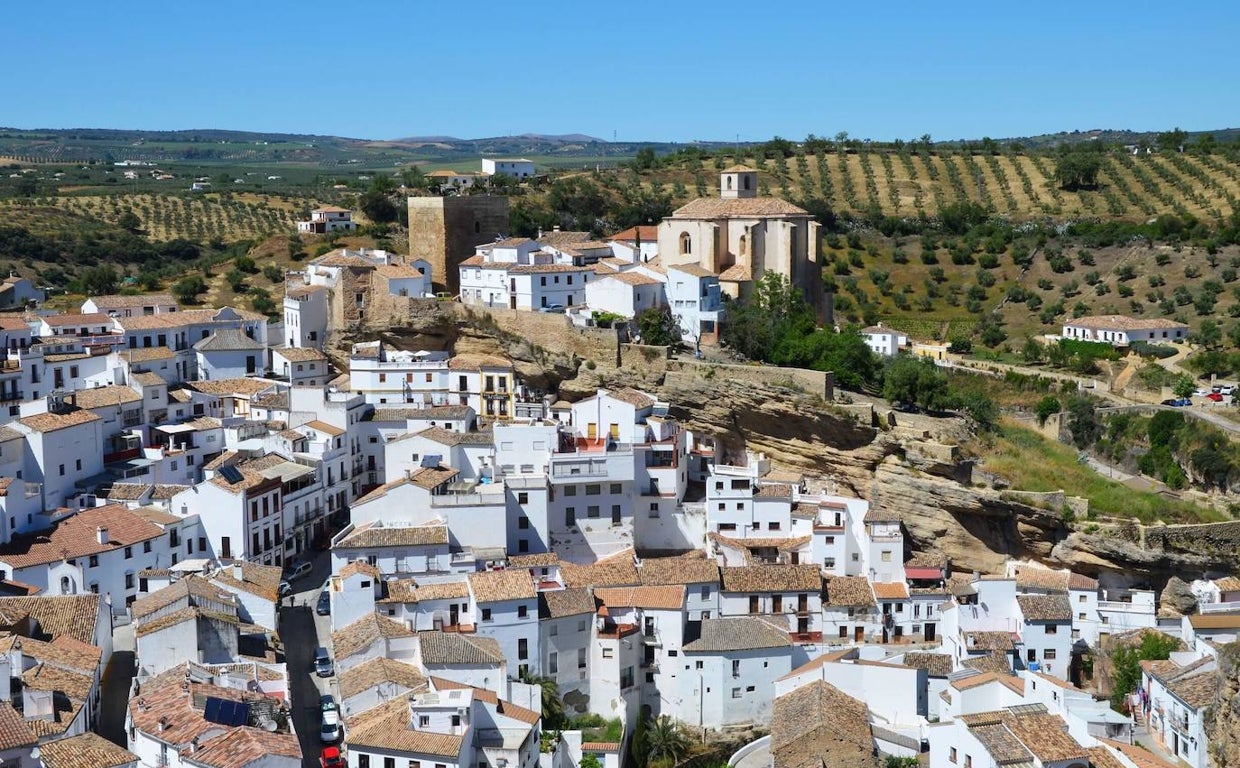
211 712
231 474
241 714
432 460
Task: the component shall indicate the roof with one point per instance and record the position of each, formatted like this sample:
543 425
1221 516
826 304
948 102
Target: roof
1197 690
936 664
540 560
14 731
451 437
1045 735
128 491
693 568
647 233
260 580
892 590
73 615
398 271
632 278
227 340
771 578
477 362
737 273
876 514
535 269
558 603
88 750
99 397
989 662
362 633
405 412
387 727
615 571
230 387
377 671
1045 607
669 597
77 536
849 592
493 586
692 270
250 479
241 746
147 354
1215 620
1123 323
53 422
164 702
73 318
1227 584
371 535
989 641
819 726
1139 755
453 648
632 397
118 301
740 633
190 588
742 207
299 354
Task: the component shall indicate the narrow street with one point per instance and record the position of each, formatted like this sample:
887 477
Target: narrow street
116 685
297 629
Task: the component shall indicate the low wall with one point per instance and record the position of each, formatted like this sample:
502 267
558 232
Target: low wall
551 331
820 383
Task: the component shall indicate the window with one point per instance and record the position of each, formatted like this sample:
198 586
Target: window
952 756
1052 629
705 593
570 490
363 761
415 764
424 721
456 721
615 488
581 658
570 517
968 761
736 693
886 556
389 762
94 561
1081 599
697 665
523 523
523 497
128 553
843 631
522 612
486 614
554 630
592 511
1031 655
856 556
774 526
594 490
1049 654
78 465
736 667
608 653
686 244
553 663
146 546
62 470
129 581
1081 616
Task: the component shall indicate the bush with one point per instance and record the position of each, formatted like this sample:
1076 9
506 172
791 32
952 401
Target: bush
1148 349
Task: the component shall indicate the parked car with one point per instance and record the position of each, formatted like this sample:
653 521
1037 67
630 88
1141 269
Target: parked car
1227 390
331 758
327 703
552 309
1177 402
324 605
298 569
1215 397
1199 392
285 588
323 666
329 732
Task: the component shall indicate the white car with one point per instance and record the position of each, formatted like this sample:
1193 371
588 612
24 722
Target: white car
329 733
1227 390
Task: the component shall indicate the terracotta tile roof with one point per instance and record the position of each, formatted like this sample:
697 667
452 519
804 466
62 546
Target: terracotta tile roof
157 514
1124 323
72 615
451 437
359 567
73 319
819 726
633 278
557 238
693 568
600 746
364 632
52 422
1196 691
1082 582
245 388
849 592
773 490
741 633
1001 743
494 586
76 536
387 727
989 662
541 560
895 590
742 207
148 379
558 603
877 515
398 271
632 397
88 750
251 480
375 672
1215 620
1008 680
772 578
126 301
406 413
615 571
162 699
936 664
989 641
324 427
1227 584
299 354
452 648
147 354
99 397
439 590
1053 608
670 597
1140 756
242 746
128 491
509 242
646 233
15 733
46 677
371 535
260 580
477 362
1046 736
164 621
165 493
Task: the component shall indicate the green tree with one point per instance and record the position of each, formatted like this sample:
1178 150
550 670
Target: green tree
1126 663
99 280
1172 140
1083 422
1209 335
26 186
130 222
914 381
1077 169
378 206
590 760
187 289
1183 386
666 741
645 159
658 326
1047 407
552 704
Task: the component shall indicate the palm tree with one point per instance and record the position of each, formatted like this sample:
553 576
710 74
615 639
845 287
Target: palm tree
665 740
552 705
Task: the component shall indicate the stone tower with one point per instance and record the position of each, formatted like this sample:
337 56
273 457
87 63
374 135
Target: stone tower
445 231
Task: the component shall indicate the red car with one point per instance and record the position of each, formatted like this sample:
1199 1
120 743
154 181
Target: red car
1215 396
331 758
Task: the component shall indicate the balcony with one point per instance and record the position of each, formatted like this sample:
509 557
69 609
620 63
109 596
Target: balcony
7 396
1228 607
1123 606
651 638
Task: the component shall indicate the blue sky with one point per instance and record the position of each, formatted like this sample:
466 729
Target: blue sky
674 71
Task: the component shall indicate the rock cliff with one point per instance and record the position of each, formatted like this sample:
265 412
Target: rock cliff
1223 714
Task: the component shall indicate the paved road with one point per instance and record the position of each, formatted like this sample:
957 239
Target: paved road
115 687
302 632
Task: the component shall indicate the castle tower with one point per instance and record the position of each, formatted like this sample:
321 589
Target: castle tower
738 181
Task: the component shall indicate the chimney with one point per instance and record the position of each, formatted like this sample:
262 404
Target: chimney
101 534
6 680
238 572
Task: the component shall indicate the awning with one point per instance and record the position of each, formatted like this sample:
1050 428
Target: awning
172 429
918 572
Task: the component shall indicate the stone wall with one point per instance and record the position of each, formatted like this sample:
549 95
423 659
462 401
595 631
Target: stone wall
820 383
551 331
